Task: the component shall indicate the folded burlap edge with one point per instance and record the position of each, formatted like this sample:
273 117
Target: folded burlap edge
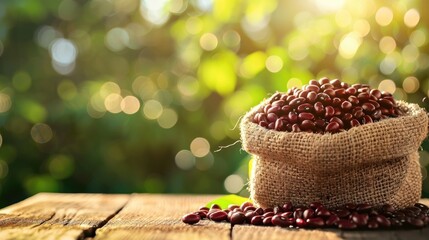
386 139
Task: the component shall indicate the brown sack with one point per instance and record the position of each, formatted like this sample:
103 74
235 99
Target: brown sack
375 163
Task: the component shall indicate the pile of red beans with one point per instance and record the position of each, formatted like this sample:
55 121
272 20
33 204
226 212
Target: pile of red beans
350 216
326 106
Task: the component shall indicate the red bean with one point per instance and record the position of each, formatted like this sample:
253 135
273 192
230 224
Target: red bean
324 80
368 107
329 112
360 219
351 91
292 117
346 105
257 220
279 221
339 121
314 82
305 116
313 88
300 223
332 127
315 222
376 93
319 109
312 96
267 221
305 107
364 96
308 213
330 92
238 218
385 103
297 101
332 220
346 224
191 218
296 128
272 117
279 125
218 216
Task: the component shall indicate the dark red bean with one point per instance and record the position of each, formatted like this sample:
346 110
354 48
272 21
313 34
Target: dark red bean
218 216
323 212
346 224
346 105
256 220
332 127
363 208
421 206
249 208
335 82
305 107
301 223
338 120
351 206
347 117
332 220
360 219
308 213
315 222
343 213
366 119
203 208
303 93
278 103
268 214
279 221
202 214
330 92
312 96
272 117
296 128
274 109
368 107
324 98
375 103
341 92
259 211
358 114
385 103
271 125
336 102
364 96
376 93
319 108
313 88
287 214
326 86
315 205
382 221
329 112
267 221
238 218
314 82
297 101
287 206
298 213
376 114
277 210
351 91
353 100
215 206
232 206
191 218
305 116
292 117
279 125
324 80
320 123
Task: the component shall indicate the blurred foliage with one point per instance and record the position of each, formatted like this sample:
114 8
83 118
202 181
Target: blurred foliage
136 96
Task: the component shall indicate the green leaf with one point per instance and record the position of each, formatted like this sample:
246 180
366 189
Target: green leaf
226 200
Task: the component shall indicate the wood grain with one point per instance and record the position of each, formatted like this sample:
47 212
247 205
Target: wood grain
58 216
148 216
158 217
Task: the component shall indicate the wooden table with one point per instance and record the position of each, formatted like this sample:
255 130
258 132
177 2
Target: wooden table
147 216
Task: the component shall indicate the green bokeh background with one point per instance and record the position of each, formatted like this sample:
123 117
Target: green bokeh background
121 96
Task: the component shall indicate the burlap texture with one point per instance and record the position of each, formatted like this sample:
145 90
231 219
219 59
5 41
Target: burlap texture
376 163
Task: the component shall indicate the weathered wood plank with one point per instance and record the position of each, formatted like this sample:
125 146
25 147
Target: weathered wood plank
158 217
246 232
58 216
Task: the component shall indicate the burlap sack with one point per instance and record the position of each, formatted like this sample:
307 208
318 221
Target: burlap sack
376 163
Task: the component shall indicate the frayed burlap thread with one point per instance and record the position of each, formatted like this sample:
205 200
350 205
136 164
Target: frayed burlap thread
376 163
